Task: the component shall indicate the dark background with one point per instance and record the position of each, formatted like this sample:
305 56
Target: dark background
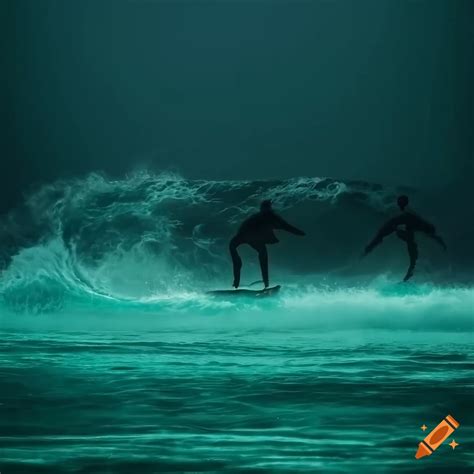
369 89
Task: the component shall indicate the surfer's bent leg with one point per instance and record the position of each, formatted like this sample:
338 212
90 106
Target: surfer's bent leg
408 236
236 260
263 259
413 253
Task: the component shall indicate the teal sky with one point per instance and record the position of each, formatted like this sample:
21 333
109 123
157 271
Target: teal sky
372 89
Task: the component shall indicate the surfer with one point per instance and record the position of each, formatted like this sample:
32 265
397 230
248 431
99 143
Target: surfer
412 223
257 231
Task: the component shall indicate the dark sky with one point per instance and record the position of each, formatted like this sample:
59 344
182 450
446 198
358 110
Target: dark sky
367 89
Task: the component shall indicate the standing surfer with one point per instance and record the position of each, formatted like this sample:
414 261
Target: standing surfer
412 223
257 231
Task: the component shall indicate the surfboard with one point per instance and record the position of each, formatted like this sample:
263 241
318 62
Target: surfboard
273 290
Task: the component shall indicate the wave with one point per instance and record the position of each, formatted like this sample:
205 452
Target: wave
148 238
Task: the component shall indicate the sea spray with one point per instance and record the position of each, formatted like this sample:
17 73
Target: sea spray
147 238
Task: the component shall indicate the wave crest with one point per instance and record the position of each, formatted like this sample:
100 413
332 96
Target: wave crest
154 235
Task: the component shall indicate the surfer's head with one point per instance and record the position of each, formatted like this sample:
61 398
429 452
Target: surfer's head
402 201
266 205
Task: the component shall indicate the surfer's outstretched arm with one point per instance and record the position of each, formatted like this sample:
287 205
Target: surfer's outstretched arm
236 261
438 239
388 228
430 230
280 223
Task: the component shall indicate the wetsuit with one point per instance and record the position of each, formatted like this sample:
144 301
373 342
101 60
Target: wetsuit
412 223
257 231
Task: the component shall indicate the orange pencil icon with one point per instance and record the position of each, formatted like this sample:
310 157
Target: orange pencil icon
436 437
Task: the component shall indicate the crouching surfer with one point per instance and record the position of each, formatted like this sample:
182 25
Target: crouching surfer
405 225
257 231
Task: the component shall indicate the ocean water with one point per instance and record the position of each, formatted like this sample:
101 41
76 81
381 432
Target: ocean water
113 359
327 382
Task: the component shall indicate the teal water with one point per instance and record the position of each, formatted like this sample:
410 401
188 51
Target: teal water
267 387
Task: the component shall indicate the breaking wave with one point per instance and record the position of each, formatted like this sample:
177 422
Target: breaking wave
159 241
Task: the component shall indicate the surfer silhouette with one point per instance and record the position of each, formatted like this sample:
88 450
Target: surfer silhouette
412 223
257 231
